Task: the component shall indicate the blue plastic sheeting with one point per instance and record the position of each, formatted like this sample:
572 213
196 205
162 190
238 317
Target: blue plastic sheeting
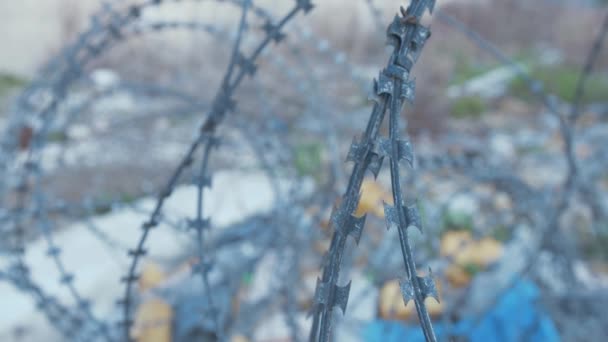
514 318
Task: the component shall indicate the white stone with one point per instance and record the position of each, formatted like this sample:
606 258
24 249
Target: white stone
465 204
274 328
234 196
363 299
79 131
488 85
105 78
502 145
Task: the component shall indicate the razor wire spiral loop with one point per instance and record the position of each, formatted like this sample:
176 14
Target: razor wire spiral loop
31 166
72 70
573 182
543 208
567 121
107 28
239 67
391 90
117 29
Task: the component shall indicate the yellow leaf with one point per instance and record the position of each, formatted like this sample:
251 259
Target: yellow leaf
239 338
372 197
321 246
457 275
153 321
464 251
152 275
460 246
453 242
487 251
434 307
392 307
391 304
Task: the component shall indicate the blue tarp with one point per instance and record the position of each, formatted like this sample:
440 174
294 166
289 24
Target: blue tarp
516 317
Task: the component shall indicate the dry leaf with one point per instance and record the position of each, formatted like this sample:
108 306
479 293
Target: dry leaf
321 246
392 307
502 201
467 253
239 338
453 242
391 303
457 276
487 251
479 253
153 321
372 197
152 275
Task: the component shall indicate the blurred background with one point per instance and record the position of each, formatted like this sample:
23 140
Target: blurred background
101 100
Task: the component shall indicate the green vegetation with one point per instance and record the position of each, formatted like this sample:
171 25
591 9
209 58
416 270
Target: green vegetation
422 211
501 233
471 107
471 268
370 276
127 198
308 158
57 136
247 279
104 203
562 80
523 150
9 82
594 245
465 70
102 208
453 220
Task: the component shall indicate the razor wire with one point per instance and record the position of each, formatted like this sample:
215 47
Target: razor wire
239 67
55 251
544 208
393 87
391 91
